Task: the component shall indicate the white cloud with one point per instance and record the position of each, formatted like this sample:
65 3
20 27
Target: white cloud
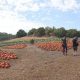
19 5
24 5
2 2
10 19
43 5
30 5
11 22
64 5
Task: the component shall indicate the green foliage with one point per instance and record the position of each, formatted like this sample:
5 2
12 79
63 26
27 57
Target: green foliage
40 32
78 33
71 33
48 31
32 41
5 36
32 31
21 33
60 32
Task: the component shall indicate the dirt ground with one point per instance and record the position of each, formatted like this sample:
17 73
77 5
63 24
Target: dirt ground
36 64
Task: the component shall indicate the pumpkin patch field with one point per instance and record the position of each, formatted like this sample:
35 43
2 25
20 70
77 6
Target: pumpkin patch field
16 46
52 46
4 56
39 61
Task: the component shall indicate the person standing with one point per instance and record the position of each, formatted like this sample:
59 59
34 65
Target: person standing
64 45
75 45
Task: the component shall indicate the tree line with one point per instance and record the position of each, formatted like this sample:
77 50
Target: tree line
41 31
48 31
6 36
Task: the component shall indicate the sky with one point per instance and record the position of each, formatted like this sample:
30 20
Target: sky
28 14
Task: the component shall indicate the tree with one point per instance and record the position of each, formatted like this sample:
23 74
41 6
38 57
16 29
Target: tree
71 33
40 32
32 31
54 28
78 33
21 33
48 31
6 36
60 32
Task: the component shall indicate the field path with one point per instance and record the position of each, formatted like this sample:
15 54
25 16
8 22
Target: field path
36 64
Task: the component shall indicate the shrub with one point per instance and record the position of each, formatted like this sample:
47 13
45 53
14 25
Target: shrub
32 41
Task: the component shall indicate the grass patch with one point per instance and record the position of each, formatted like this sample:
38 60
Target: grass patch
19 41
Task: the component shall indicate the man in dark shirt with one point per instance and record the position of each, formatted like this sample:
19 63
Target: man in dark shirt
64 45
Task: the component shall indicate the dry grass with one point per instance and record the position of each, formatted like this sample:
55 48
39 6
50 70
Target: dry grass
28 38
37 64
